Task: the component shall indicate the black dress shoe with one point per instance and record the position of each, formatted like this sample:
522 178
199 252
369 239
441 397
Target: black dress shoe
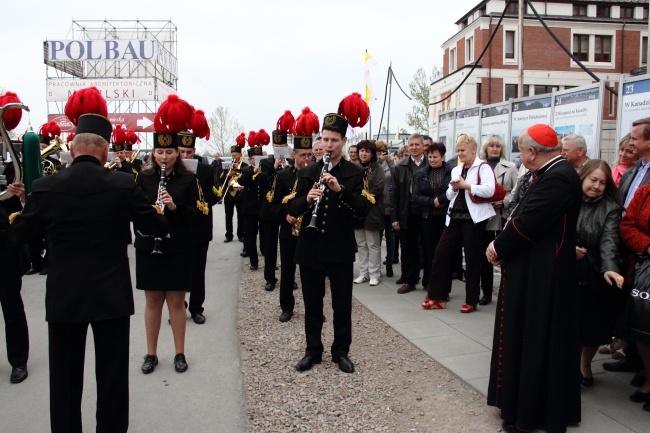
18 374
225 241
33 270
639 379
509 427
307 362
640 397
150 361
621 365
269 286
587 382
253 268
485 300
345 365
286 316
199 319
243 254
400 280
180 365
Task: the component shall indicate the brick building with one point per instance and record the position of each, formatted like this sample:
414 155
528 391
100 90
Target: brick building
608 37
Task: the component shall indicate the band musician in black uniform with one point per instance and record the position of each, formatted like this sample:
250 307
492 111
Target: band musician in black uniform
203 229
86 210
327 248
232 197
251 204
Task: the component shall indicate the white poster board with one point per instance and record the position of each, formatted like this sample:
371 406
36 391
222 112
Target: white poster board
495 120
633 103
527 112
446 121
579 111
281 152
468 122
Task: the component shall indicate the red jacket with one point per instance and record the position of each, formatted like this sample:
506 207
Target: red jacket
634 225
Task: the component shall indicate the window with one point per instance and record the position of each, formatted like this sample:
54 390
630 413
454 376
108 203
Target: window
602 48
511 91
452 59
513 8
627 11
510 45
581 47
526 90
644 50
603 11
579 10
540 90
469 50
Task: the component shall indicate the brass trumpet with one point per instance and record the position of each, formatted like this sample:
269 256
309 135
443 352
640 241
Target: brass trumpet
233 187
56 146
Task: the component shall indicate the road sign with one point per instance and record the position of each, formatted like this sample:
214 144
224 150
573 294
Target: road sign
139 122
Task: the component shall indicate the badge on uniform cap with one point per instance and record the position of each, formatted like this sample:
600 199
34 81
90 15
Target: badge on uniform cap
543 134
165 140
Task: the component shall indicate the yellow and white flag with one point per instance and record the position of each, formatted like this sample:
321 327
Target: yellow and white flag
369 63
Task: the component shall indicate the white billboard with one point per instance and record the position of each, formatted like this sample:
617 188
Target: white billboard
527 112
446 120
113 89
634 103
495 120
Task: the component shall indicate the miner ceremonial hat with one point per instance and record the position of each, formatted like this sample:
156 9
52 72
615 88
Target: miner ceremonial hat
283 128
48 132
307 124
241 142
118 139
172 117
256 140
543 134
353 111
87 110
131 139
197 127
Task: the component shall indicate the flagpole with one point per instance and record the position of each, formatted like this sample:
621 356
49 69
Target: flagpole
390 91
370 119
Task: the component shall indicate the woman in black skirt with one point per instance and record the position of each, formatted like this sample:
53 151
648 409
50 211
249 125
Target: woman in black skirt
163 266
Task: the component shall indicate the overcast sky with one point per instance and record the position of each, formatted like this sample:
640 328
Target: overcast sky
255 57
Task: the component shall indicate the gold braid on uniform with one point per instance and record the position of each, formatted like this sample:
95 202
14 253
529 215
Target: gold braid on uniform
366 193
271 193
287 198
13 216
201 203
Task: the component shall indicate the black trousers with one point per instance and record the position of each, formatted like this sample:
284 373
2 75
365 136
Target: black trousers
313 291
469 235
487 270
433 226
251 222
67 352
390 240
411 257
270 248
13 310
197 291
287 272
229 205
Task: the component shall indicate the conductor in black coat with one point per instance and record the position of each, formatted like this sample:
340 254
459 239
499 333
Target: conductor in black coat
328 249
86 211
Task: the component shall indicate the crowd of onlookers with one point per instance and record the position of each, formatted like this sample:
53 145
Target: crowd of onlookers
434 209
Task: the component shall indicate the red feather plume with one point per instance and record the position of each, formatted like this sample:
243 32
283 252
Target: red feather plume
252 138
199 125
306 124
355 110
262 138
69 138
241 140
50 130
119 135
12 117
173 115
85 101
132 137
285 122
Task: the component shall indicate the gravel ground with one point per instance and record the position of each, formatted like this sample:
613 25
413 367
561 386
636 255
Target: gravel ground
396 388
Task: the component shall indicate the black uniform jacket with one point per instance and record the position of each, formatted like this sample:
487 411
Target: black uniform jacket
252 194
184 190
267 174
86 210
284 183
207 180
334 241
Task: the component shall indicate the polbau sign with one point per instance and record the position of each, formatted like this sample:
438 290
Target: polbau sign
111 50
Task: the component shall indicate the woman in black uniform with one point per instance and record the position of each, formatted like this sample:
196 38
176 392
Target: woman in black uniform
163 266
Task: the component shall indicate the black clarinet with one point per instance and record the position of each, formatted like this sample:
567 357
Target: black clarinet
161 187
321 186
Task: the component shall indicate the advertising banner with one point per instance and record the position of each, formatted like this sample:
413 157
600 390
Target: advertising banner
446 121
138 122
112 89
495 120
468 122
527 112
633 103
579 111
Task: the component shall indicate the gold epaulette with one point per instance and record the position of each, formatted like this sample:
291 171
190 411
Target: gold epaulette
369 196
201 203
217 191
271 194
288 197
13 216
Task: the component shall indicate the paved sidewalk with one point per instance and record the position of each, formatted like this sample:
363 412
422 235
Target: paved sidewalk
462 343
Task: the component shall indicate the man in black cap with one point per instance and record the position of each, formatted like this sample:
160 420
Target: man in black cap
203 229
327 248
86 211
231 197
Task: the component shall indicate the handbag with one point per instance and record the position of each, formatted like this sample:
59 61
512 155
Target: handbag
499 190
638 307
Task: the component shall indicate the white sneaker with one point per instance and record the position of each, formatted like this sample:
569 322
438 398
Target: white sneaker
374 282
360 280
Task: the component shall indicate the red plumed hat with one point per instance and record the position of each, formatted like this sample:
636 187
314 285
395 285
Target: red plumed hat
241 140
199 125
85 101
252 138
119 135
50 130
306 124
262 138
355 110
69 138
285 122
132 137
173 115
11 117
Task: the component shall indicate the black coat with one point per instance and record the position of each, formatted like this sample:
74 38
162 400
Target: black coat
252 194
208 181
184 190
628 178
284 184
534 374
86 211
267 179
422 193
400 200
334 241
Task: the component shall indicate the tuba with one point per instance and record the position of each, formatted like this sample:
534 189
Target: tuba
18 169
58 145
